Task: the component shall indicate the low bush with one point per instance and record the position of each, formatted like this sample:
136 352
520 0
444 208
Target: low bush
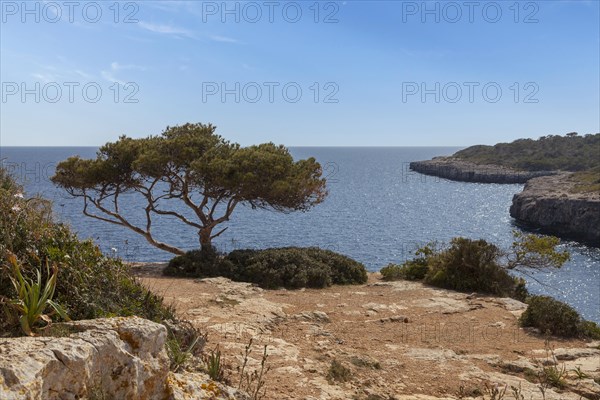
392 272
411 270
464 265
289 267
554 317
470 265
88 284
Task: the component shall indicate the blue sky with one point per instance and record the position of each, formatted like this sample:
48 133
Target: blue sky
371 73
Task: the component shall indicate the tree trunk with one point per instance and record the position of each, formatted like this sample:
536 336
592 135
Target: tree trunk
205 242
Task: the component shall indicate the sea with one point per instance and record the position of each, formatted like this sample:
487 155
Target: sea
377 212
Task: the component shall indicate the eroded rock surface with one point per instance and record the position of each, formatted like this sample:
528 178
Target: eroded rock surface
549 204
398 340
120 358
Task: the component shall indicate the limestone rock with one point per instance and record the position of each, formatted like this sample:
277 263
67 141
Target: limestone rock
122 358
314 316
460 170
193 386
547 204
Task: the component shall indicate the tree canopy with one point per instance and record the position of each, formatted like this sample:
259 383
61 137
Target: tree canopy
195 166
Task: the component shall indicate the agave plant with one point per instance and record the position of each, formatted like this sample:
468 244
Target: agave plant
34 298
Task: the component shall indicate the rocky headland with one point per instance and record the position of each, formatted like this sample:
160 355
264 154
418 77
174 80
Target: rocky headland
548 202
465 171
551 205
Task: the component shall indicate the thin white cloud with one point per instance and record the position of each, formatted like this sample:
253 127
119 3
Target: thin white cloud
115 66
170 6
83 74
165 29
223 39
45 78
109 77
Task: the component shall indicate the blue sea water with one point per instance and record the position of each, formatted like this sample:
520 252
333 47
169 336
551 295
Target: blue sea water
377 212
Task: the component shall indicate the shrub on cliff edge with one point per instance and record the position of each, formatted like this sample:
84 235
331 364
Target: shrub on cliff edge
476 265
554 317
289 267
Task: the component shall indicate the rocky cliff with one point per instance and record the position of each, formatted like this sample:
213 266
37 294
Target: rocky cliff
549 204
116 358
465 171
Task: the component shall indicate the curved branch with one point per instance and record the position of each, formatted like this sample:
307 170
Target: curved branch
219 233
120 220
177 215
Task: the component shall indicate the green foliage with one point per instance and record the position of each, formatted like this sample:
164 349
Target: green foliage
289 267
392 272
214 368
535 251
193 165
586 181
590 330
476 265
557 318
412 270
90 285
184 342
34 298
194 263
470 265
553 152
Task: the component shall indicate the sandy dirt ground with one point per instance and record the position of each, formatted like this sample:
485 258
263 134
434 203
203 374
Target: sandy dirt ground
395 340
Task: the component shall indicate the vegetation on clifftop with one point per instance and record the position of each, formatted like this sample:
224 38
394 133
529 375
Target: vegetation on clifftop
548 153
288 267
476 265
87 283
586 181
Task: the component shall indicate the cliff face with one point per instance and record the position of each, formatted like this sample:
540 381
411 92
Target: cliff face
548 204
465 171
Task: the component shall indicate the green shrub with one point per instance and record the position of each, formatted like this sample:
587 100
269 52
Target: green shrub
412 270
88 284
206 263
520 291
557 318
590 330
551 316
392 272
470 265
289 267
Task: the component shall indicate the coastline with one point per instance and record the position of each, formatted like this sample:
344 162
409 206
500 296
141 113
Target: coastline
550 205
547 203
465 171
